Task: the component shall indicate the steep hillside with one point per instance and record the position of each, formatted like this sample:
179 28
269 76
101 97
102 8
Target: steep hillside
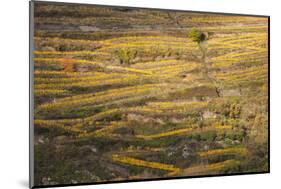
124 94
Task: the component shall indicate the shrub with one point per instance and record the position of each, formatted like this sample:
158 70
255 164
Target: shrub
125 56
235 111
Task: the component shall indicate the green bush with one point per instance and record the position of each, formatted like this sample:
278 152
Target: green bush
126 56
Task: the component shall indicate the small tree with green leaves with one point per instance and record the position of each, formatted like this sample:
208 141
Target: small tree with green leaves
195 35
199 37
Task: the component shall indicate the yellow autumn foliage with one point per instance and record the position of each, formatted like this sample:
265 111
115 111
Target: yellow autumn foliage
143 163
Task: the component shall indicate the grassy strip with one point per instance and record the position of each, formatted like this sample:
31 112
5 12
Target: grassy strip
234 150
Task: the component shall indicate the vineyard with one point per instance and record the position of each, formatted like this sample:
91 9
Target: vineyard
125 94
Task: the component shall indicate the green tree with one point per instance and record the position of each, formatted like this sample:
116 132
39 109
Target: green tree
200 38
195 35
